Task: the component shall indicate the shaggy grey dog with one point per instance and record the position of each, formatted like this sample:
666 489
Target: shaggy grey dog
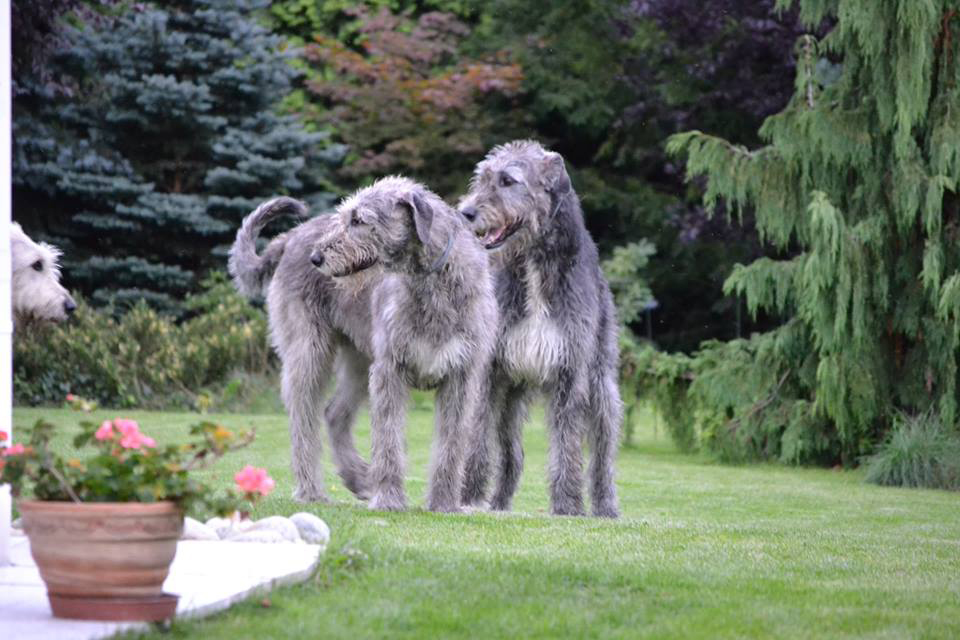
37 292
434 326
402 282
558 331
317 325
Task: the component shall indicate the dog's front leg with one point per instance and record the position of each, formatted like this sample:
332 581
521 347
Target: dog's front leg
567 413
388 404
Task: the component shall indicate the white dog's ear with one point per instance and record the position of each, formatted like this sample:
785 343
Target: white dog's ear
422 214
20 245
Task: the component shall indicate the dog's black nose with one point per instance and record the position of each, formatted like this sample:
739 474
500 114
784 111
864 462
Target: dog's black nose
69 306
469 213
316 259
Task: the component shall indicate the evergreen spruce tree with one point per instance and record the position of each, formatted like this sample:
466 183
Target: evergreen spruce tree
170 136
858 189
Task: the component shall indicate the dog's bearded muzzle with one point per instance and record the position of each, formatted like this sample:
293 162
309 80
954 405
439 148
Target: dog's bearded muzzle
494 237
318 259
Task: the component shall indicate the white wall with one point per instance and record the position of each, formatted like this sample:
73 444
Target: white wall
6 319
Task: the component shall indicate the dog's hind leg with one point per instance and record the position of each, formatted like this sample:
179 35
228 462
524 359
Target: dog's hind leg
510 438
477 466
604 435
341 412
388 405
307 364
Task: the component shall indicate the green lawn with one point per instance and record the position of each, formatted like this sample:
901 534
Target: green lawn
702 551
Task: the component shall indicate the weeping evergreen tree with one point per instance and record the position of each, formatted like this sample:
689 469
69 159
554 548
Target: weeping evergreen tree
169 136
857 194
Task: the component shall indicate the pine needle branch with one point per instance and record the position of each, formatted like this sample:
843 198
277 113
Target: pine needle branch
762 405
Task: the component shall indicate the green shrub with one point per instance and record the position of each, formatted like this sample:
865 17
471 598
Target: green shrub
625 271
662 379
919 452
716 400
143 358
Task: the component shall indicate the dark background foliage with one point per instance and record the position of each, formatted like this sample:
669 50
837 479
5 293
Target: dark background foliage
109 153
151 134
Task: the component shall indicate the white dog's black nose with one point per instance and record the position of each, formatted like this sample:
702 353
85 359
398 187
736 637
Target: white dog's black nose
317 259
469 213
69 306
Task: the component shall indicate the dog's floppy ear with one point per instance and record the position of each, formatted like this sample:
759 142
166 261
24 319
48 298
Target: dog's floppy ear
555 177
422 215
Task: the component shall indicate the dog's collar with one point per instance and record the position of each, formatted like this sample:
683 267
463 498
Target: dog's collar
560 200
442 260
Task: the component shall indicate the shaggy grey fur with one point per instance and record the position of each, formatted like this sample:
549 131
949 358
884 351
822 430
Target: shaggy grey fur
401 283
434 326
35 284
317 326
558 332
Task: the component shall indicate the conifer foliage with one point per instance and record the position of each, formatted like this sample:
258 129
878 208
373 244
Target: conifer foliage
167 136
857 188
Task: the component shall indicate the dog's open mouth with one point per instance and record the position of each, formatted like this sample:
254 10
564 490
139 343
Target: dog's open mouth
495 237
356 268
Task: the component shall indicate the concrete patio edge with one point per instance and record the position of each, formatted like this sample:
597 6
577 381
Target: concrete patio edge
209 577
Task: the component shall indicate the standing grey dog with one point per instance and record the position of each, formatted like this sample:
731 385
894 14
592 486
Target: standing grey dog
434 326
440 315
558 331
317 326
37 292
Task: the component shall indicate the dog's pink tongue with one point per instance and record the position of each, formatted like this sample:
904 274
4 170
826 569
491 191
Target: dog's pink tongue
494 235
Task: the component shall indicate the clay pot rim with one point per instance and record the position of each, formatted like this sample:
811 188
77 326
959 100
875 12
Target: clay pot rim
63 506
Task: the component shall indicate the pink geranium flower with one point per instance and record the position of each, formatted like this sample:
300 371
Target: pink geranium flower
252 479
105 432
130 441
136 440
125 426
130 435
15 449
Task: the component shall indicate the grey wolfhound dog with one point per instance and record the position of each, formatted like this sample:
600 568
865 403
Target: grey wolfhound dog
37 292
558 333
317 326
388 291
434 325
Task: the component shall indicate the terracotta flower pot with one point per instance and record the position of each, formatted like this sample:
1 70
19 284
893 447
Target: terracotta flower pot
104 561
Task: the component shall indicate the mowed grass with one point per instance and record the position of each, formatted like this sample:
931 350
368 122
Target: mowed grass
702 551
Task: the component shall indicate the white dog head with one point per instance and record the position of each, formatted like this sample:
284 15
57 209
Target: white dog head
37 292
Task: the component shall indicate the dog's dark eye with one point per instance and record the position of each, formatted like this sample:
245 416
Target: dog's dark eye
506 180
38 265
355 221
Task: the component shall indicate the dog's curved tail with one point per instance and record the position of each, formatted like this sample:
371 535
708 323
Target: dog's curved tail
251 272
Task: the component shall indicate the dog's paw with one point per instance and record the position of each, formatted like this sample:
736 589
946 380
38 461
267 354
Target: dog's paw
358 486
443 506
301 494
388 501
567 510
478 506
606 510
